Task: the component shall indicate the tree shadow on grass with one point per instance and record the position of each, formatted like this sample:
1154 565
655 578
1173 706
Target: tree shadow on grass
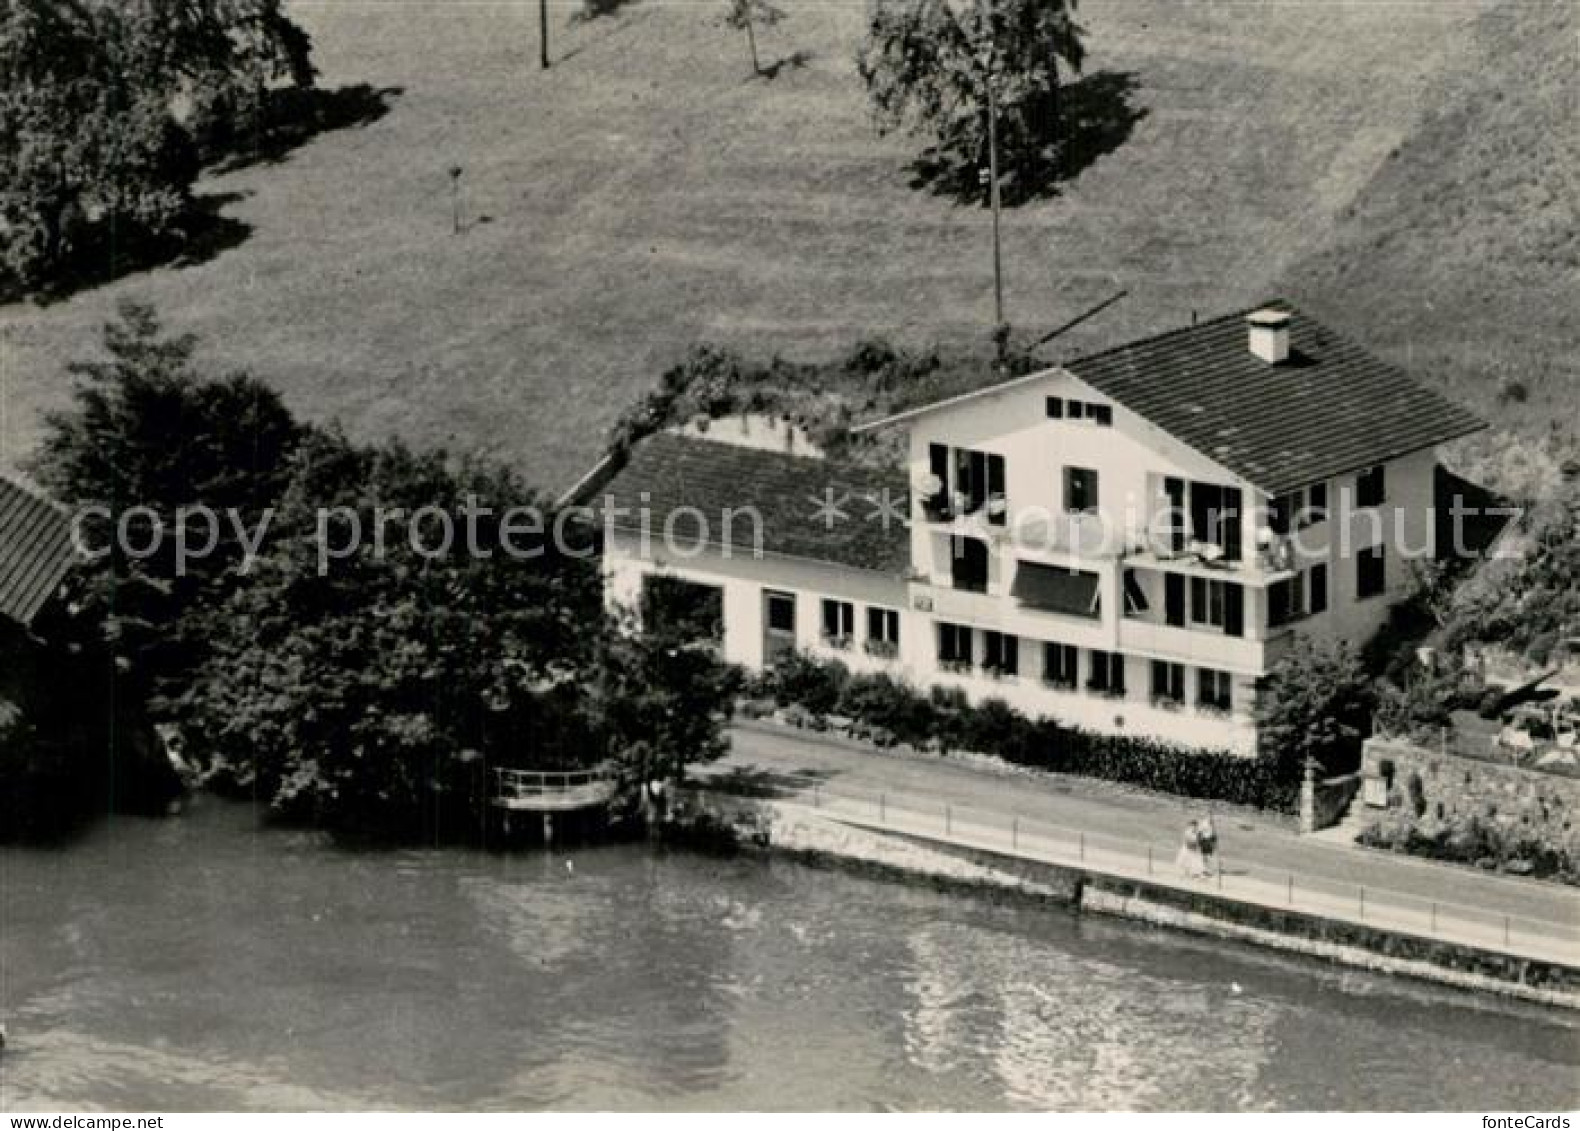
1043 145
203 234
293 116
597 9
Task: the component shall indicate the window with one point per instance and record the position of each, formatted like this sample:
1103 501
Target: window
1317 586
883 630
1135 597
1214 690
1371 488
1080 490
1065 408
1316 504
839 621
1281 512
1206 601
1168 683
1101 414
1285 601
936 505
1178 515
1075 410
971 486
780 612
998 510
1001 653
1055 408
1371 572
1107 676
969 560
1215 518
1059 664
954 646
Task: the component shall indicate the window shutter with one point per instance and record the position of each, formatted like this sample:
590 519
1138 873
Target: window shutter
1174 599
1233 609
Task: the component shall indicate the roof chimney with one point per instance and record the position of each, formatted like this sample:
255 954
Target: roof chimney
1269 332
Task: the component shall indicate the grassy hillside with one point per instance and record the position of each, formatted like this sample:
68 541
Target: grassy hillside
1461 258
647 193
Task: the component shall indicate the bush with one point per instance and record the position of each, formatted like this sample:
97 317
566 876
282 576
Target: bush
800 679
944 718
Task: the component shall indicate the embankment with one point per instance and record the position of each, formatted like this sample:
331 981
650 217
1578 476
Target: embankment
809 835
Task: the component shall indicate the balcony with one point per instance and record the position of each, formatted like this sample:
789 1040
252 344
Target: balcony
1207 648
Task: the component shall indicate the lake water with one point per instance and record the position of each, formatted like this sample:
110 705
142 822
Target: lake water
205 963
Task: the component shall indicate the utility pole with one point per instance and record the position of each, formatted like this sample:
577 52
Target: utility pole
543 34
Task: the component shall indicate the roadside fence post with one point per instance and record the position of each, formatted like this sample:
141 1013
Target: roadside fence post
1289 898
1081 850
949 822
1014 833
1363 905
1149 859
1434 918
1505 930
883 808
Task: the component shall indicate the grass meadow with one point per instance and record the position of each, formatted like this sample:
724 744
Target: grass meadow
647 193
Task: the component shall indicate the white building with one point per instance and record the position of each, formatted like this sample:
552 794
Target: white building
1125 542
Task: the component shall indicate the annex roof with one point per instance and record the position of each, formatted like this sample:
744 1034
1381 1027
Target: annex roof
814 509
35 551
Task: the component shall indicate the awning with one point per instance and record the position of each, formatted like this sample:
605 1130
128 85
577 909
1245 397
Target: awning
1054 590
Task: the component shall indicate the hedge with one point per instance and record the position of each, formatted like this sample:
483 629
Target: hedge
890 711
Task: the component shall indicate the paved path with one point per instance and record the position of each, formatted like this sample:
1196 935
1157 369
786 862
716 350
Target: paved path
1130 822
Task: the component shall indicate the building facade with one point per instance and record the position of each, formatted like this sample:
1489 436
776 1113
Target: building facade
1127 542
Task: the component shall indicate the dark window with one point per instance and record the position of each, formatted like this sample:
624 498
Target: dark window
998 510
1055 408
971 480
1076 409
1101 414
1318 585
1281 511
954 644
1215 517
839 620
1001 653
969 557
1316 504
1371 488
1107 674
1371 572
1174 599
936 505
1168 682
1179 517
1233 609
689 609
1285 601
883 626
1059 664
1080 490
1135 597
781 612
1214 689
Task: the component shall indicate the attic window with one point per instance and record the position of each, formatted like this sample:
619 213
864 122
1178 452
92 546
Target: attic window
1068 408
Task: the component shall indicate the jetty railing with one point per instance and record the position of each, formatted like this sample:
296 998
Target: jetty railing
1032 838
552 789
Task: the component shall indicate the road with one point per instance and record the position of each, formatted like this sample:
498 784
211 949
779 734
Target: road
1132 821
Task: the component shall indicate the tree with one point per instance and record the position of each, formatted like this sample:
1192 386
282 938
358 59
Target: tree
146 436
1316 702
373 694
662 699
104 106
933 67
744 15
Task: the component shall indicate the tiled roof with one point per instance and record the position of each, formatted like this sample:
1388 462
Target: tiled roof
35 551
1331 408
666 472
